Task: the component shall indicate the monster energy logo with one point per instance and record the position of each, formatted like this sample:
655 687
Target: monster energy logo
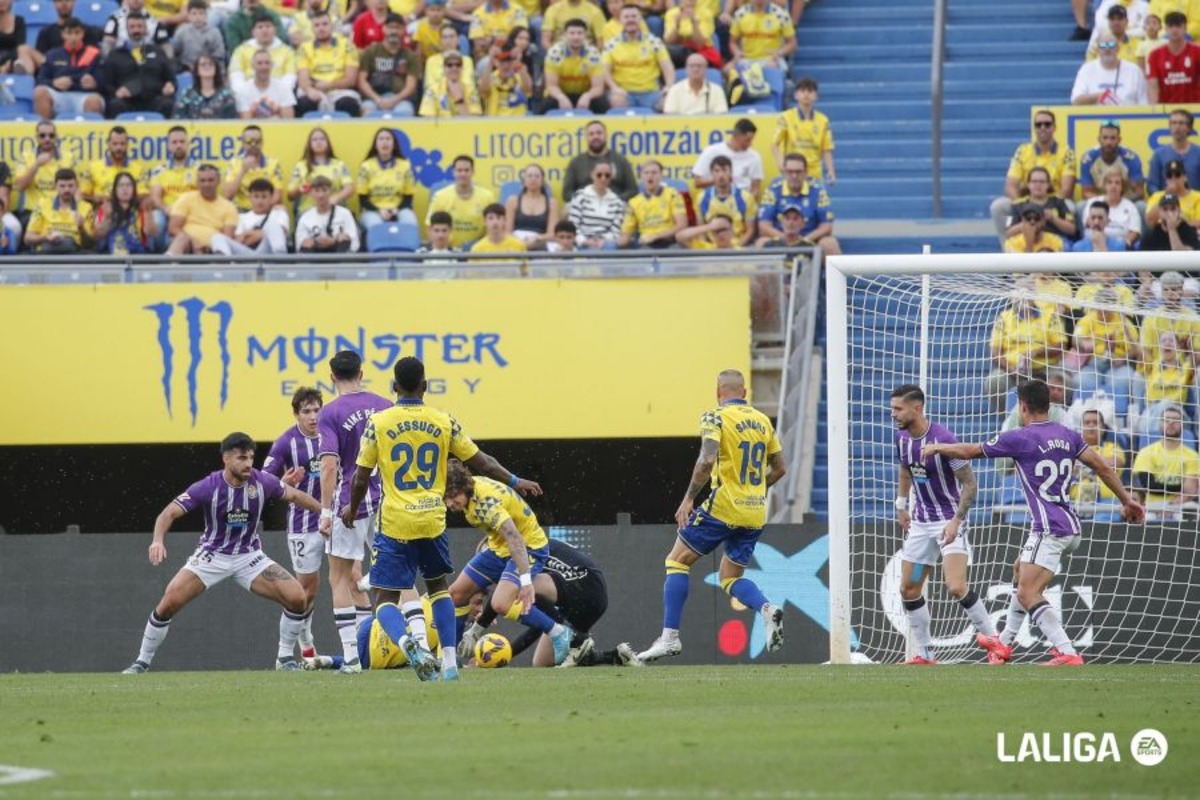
194 309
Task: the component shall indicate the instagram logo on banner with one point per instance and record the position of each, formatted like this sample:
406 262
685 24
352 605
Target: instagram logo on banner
503 173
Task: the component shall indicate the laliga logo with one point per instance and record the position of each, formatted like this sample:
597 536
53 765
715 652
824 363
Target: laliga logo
1148 747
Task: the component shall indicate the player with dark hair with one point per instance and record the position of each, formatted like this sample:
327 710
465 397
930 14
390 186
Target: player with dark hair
231 500
410 444
943 491
297 449
741 458
1045 453
516 552
341 425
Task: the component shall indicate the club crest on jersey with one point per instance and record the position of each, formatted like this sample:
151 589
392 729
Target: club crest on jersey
994 439
252 492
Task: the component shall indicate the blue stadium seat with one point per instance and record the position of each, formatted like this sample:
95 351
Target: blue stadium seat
327 115
565 112
141 116
678 185
17 112
39 12
715 76
95 12
183 82
631 111
83 116
509 189
20 87
775 81
391 237
381 114
32 32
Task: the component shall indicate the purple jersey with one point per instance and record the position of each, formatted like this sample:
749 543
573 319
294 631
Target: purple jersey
1045 455
231 513
294 449
341 427
932 478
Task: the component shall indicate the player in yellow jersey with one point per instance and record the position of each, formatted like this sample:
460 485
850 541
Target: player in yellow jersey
376 650
741 457
516 552
410 443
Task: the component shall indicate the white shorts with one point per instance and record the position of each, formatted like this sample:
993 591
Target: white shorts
923 544
307 550
1046 550
212 568
349 543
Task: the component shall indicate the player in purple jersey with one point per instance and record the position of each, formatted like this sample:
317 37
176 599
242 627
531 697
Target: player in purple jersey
231 501
341 426
942 491
1045 453
297 448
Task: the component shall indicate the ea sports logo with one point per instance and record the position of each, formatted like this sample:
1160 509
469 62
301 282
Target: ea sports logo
1148 747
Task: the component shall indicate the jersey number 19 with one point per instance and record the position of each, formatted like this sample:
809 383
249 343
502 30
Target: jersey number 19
753 453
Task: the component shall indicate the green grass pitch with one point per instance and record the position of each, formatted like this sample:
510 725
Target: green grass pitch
659 732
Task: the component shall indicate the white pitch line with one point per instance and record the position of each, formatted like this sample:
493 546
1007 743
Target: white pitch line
10 775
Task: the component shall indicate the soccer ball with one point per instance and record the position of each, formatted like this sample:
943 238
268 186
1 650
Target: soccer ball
492 651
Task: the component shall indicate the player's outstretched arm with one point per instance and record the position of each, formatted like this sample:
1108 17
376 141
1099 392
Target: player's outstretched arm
358 492
483 464
964 450
167 517
701 475
298 498
904 489
966 499
520 556
776 468
1131 509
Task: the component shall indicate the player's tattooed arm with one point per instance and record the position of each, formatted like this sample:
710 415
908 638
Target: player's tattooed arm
776 468
970 488
702 472
520 557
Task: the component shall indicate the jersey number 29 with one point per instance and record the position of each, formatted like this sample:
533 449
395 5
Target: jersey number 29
425 459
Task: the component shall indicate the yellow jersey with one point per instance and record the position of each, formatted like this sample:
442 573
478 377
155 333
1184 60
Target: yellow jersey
383 653
434 71
329 61
612 30
405 8
1089 489
574 70
636 63
506 97
806 134
495 23
1170 382
43 180
509 244
467 212
494 504
739 206
51 216
268 168
651 214
162 9
427 39
410 443
1166 469
1047 243
560 12
175 181
760 34
1058 161
386 184
1088 291
1111 338
686 28
302 176
1189 204
1184 323
436 101
746 440
203 218
1015 336
96 178
283 59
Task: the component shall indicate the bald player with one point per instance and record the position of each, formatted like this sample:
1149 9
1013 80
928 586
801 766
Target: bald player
741 458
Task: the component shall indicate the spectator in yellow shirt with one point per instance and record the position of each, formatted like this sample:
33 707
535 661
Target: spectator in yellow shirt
453 95
496 238
252 163
464 201
762 33
1043 151
656 213
327 72
1088 491
1168 383
1109 342
805 130
283 58
508 87
96 178
427 32
197 216
572 72
561 12
1166 474
636 65
1025 338
492 22
61 224
1031 236
688 28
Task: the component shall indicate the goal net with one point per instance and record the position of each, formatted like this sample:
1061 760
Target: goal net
1117 353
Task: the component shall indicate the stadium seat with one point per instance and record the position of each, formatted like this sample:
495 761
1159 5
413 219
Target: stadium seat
381 114
95 12
17 112
39 12
20 87
31 33
183 82
328 115
141 116
393 237
715 76
83 116
631 111
509 189
563 112
775 81
678 185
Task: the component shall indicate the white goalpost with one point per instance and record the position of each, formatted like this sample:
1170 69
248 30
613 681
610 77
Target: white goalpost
1129 593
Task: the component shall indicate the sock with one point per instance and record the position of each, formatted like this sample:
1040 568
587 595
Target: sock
1045 617
392 621
977 611
487 616
152 637
675 592
536 618
290 626
746 592
361 613
460 622
306 638
1016 618
414 616
443 620
347 630
919 619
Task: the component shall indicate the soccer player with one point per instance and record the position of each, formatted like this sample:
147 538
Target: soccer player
410 444
376 650
945 490
1045 453
516 553
741 456
231 500
341 425
297 449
